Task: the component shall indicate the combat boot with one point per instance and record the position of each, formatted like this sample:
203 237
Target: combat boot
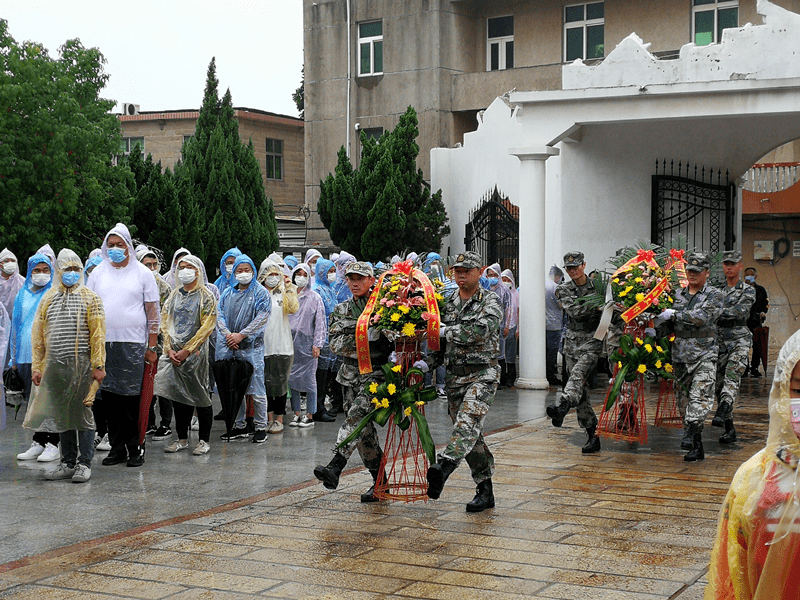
329 475
686 438
593 444
557 413
369 495
730 433
438 474
484 497
724 412
696 453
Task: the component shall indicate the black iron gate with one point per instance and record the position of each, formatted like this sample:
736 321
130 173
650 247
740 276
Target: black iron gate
493 231
687 202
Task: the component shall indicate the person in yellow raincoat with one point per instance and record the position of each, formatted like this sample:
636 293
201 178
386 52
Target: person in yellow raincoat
68 339
757 551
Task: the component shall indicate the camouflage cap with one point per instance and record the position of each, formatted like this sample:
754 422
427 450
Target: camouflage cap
697 261
359 268
468 260
733 256
573 259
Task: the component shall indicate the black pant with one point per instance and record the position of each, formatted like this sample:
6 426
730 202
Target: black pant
276 405
164 411
323 376
123 424
183 418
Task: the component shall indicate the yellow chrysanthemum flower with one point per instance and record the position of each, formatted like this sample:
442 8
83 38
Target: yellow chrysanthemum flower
385 403
439 296
409 330
394 288
376 402
419 403
658 364
615 280
404 309
641 368
391 388
659 348
397 368
669 298
407 411
623 293
639 341
638 280
668 368
373 388
648 347
395 317
639 297
619 364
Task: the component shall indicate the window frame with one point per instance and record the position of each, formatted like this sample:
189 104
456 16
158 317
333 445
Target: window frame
713 6
501 41
128 146
273 155
371 41
584 25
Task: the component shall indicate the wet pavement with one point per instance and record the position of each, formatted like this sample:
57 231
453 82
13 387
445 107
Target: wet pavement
634 521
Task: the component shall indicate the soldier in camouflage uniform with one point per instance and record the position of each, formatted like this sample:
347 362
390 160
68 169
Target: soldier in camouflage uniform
581 349
342 334
734 339
694 352
470 334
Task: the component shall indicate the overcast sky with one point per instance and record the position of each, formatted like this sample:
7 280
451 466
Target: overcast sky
158 51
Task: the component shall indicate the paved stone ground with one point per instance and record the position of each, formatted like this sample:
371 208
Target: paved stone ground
633 522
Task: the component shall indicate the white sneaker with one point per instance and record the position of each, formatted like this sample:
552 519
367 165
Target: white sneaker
62 471
195 426
305 422
201 448
177 446
275 427
82 474
295 422
104 445
50 453
33 452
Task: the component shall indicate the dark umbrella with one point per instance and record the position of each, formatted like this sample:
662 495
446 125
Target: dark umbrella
233 377
761 334
146 398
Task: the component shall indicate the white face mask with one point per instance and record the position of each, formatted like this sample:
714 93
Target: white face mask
9 267
229 269
40 279
301 281
187 275
272 281
244 278
508 284
331 277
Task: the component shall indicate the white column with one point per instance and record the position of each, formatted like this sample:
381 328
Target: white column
532 201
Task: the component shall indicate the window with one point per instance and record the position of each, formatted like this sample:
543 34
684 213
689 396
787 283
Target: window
500 43
710 17
186 138
274 159
129 143
584 31
370 44
373 133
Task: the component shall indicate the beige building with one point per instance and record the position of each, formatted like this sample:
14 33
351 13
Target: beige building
277 142
367 61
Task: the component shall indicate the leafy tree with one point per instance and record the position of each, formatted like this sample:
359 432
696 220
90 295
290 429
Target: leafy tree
384 206
57 140
299 95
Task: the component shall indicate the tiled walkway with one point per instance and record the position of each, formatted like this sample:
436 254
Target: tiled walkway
629 523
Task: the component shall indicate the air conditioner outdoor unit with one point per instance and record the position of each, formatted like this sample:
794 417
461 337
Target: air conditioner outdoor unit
130 109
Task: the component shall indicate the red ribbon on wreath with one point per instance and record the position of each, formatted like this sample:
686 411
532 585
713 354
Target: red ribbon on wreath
677 261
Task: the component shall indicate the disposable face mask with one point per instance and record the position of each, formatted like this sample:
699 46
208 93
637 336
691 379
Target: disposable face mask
272 281
9 267
187 275
40 279
229 269
508 284
331 277
750 279
244 278
492 281
117 255
301 281
70 278
794 415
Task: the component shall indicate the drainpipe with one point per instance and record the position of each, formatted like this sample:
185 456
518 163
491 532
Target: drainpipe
349 75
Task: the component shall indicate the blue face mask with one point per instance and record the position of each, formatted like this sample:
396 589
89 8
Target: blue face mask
117 255
493 281
70 278
750 279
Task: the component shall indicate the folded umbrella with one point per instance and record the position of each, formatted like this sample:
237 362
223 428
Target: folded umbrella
761 334
233 378
146 398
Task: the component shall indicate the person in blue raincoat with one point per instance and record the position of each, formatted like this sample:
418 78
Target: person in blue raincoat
243 313
38 280
226 269
325 280
342 291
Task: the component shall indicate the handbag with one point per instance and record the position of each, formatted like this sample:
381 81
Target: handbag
12 381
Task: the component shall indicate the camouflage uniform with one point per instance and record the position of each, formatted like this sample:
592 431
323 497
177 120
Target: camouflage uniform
581 349
694 352
342 335
471 345
735 340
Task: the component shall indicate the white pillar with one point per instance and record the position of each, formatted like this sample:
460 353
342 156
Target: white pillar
532 194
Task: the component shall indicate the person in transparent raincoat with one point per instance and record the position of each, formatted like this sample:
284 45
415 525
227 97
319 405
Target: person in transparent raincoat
173 266
11 281
309 332
278 344
188 318
243 313
68 340
38 279
324 282
757 550
226 269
